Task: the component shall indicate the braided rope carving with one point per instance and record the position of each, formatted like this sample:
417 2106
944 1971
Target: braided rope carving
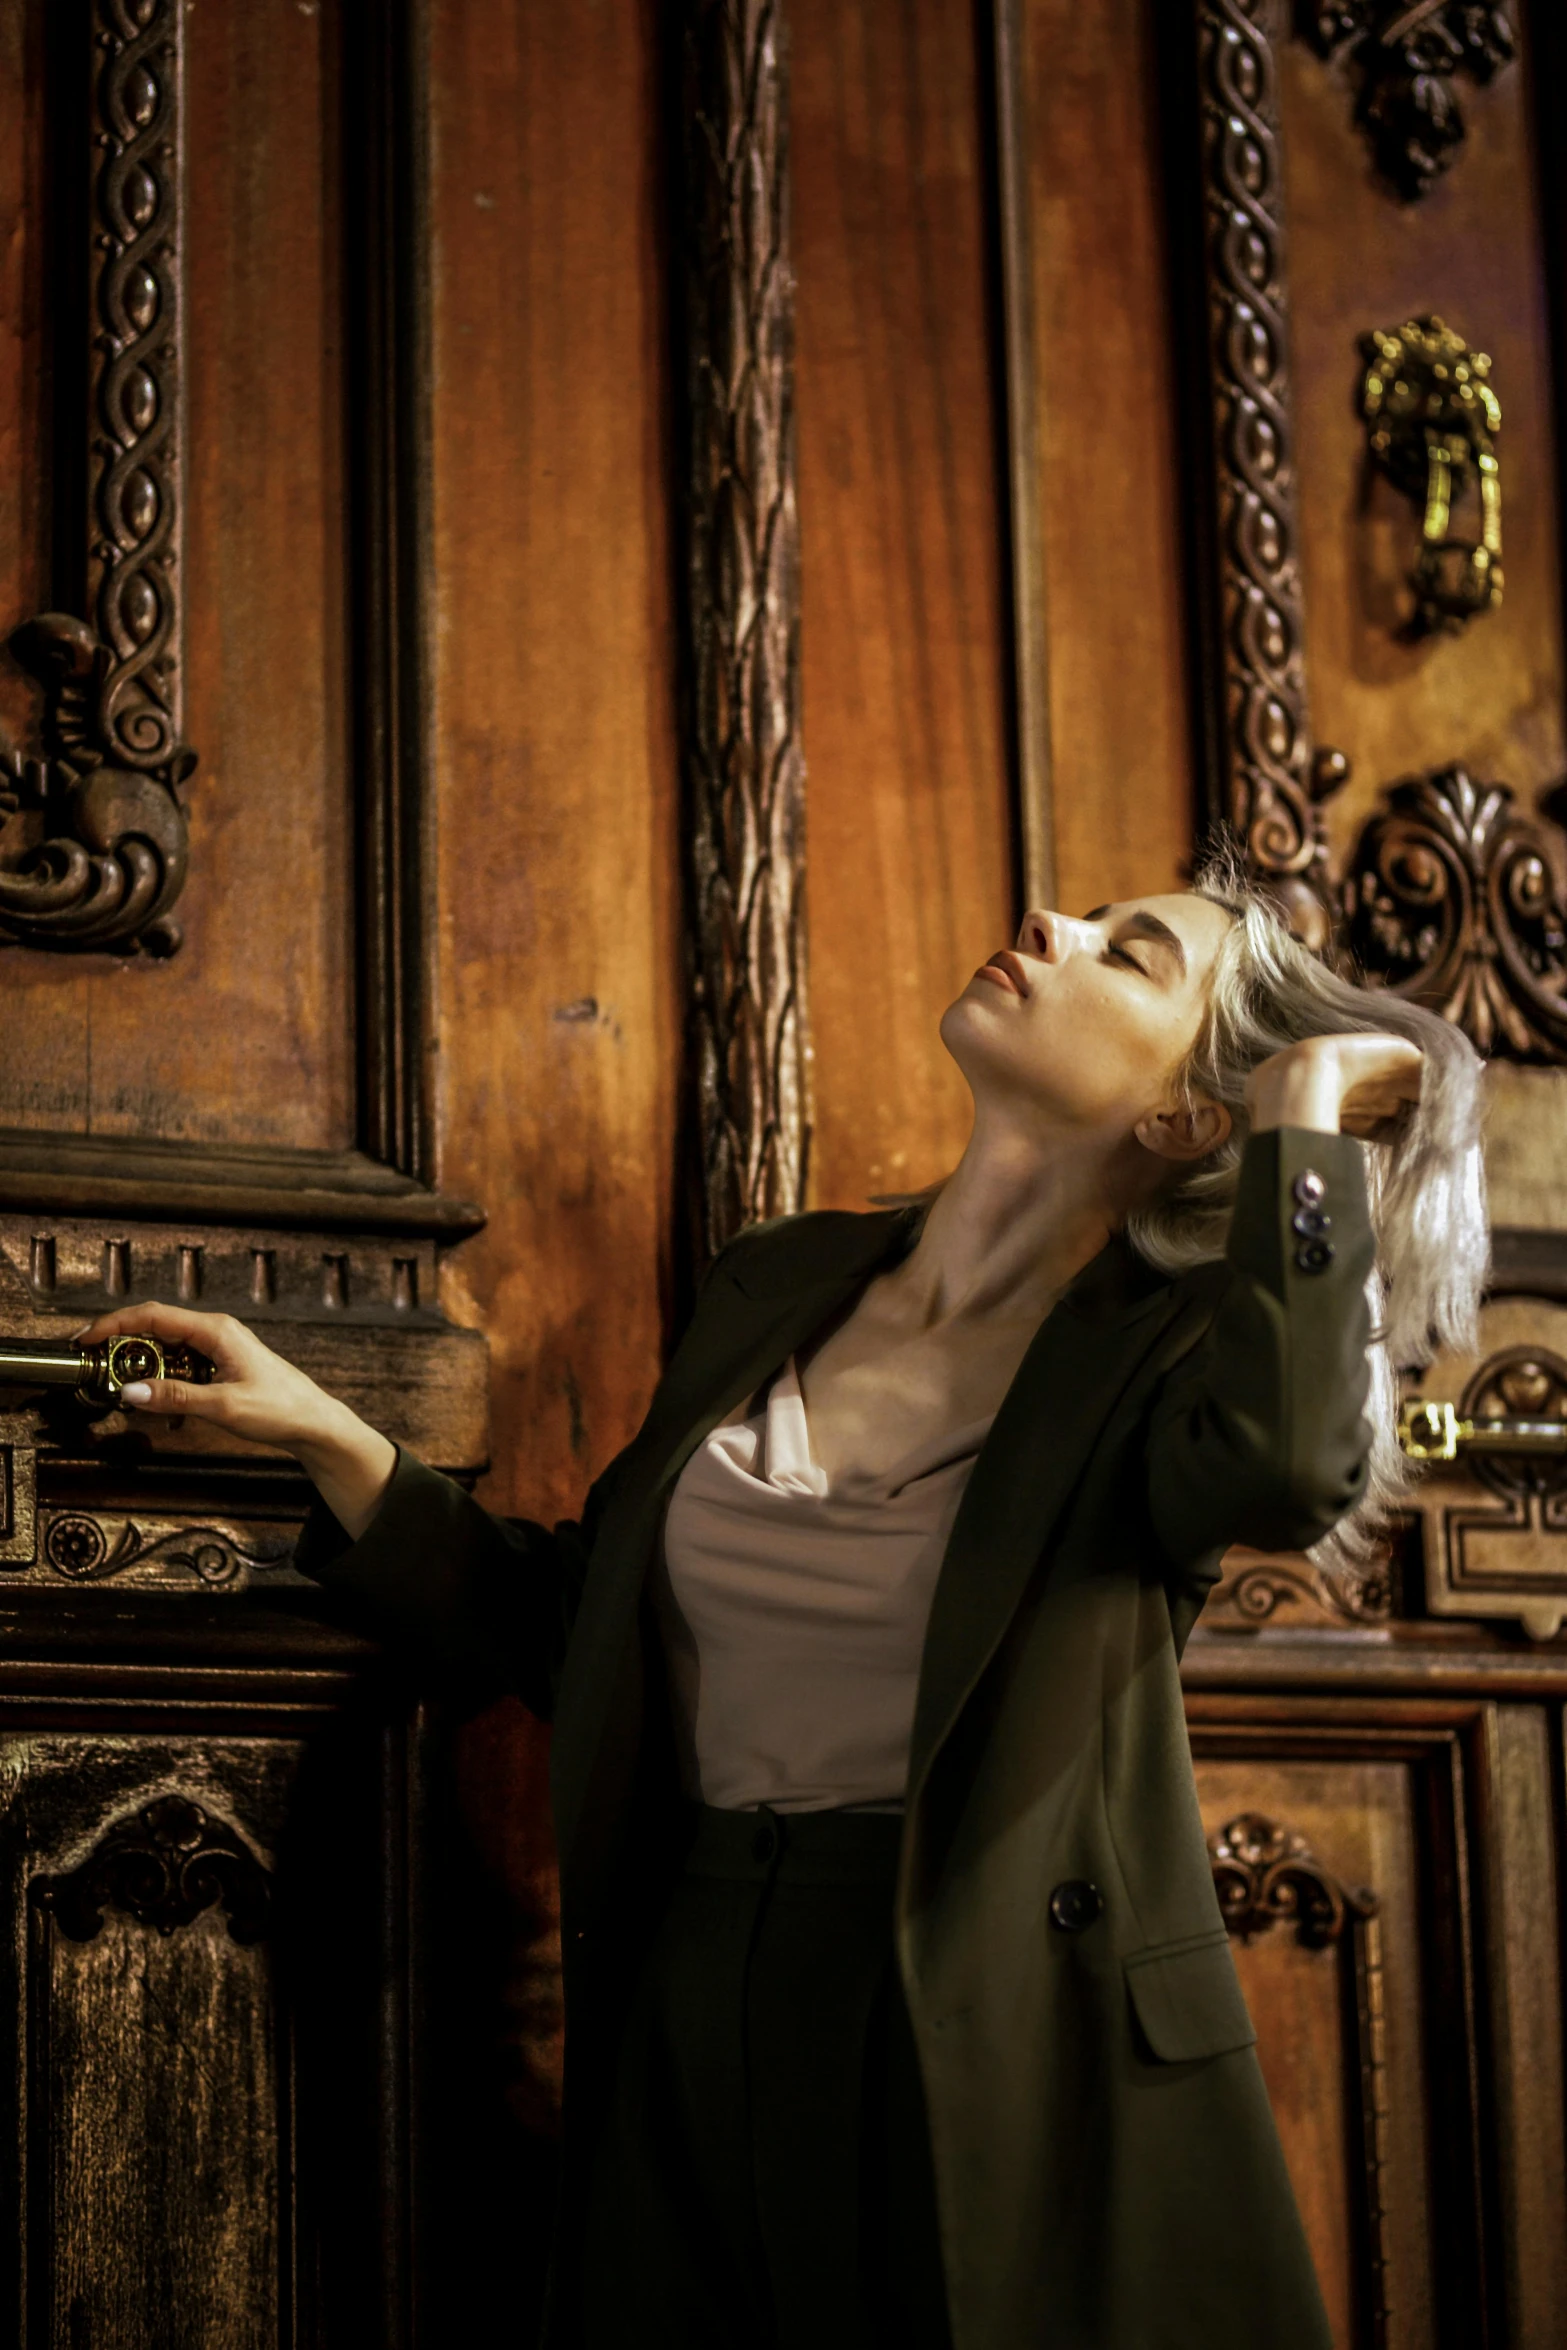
135 354
745 768
1270 787
92 836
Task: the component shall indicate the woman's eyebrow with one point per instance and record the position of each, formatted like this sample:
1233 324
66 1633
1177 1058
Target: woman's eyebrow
1159 934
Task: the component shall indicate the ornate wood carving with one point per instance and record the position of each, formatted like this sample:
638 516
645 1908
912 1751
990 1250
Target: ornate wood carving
1266 1875
1260 1589
1269 783
163 1867
1405 56
92 834
744 762
83 1547
1457 897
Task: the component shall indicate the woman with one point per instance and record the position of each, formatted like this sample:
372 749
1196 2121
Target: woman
899 2005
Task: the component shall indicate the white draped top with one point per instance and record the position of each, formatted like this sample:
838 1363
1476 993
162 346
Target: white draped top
794 1614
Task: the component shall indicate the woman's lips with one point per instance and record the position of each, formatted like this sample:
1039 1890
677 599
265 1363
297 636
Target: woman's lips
1004 968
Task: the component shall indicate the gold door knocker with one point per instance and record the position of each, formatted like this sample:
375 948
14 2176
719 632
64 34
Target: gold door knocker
1433 421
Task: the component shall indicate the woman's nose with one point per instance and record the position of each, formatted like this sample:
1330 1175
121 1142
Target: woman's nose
1052 937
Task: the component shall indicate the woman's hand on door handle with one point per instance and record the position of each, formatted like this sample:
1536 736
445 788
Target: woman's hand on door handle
260 1397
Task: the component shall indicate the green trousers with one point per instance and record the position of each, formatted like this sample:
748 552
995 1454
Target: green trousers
764 2182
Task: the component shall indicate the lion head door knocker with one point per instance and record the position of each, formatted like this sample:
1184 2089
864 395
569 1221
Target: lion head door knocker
1433 420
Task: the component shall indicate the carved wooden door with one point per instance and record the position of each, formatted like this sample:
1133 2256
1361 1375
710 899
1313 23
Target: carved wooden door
215 1087
1340 231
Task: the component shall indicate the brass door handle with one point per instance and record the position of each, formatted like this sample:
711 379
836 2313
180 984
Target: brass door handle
97 1373
1434 1432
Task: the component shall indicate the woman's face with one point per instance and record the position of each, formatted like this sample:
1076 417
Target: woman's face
1085 1022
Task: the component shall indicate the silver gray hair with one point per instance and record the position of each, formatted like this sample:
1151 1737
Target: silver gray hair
1425 1175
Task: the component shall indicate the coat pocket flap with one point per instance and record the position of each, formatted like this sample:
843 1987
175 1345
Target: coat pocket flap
1188 1999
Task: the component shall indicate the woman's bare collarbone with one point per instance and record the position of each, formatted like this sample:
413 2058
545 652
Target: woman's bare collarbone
882 1386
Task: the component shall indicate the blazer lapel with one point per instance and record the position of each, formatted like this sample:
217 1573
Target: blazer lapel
782 1285
1085 1355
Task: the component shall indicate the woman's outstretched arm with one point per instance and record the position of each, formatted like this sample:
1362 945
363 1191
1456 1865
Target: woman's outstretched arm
486 1600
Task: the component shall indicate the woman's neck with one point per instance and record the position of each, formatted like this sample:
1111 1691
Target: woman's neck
1021 1214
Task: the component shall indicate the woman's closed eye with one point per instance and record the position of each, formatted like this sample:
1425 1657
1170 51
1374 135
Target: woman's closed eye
1114 948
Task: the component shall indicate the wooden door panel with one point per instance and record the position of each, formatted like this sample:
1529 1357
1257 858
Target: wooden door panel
1347 2094
245 1034
1472 250
159 2060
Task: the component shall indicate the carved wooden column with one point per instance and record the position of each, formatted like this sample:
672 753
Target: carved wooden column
1264 776
744 765
92 835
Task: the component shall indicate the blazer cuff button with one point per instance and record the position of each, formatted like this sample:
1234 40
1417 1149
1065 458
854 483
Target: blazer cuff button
1314 1256
1311 1223
1075 1904
1309 1188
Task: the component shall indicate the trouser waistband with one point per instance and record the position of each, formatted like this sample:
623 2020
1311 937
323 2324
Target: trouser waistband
801 1847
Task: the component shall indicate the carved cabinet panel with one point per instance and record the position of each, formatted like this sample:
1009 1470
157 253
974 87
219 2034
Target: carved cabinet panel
215 1088
1384 1849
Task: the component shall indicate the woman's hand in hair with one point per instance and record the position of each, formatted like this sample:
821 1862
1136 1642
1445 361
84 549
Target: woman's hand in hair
260 1397
1350 1084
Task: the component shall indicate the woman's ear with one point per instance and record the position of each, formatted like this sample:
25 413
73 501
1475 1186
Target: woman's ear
1188 1133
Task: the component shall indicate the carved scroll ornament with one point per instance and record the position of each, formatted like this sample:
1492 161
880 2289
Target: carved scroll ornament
1266 1875
1458 898
745 766
1273 783
92 835
163 1867
1405 56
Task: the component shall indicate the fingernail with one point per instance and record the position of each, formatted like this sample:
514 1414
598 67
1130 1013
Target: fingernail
81 1329
138 1392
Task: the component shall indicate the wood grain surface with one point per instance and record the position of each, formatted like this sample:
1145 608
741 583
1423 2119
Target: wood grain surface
1121 760
553 721
554 745
909 828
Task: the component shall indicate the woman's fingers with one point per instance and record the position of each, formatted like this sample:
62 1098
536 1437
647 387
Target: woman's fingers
176 1397
156 1320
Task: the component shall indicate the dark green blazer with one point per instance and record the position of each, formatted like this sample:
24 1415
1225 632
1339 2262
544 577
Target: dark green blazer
1108 2173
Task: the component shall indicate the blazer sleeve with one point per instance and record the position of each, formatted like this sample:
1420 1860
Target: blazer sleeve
1259 1435
485 1602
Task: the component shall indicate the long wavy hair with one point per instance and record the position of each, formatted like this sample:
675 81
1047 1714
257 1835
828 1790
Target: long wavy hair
1425 1176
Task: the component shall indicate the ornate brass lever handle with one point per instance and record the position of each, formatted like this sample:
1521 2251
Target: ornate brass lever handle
1434 1432
1433 418
97 1373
